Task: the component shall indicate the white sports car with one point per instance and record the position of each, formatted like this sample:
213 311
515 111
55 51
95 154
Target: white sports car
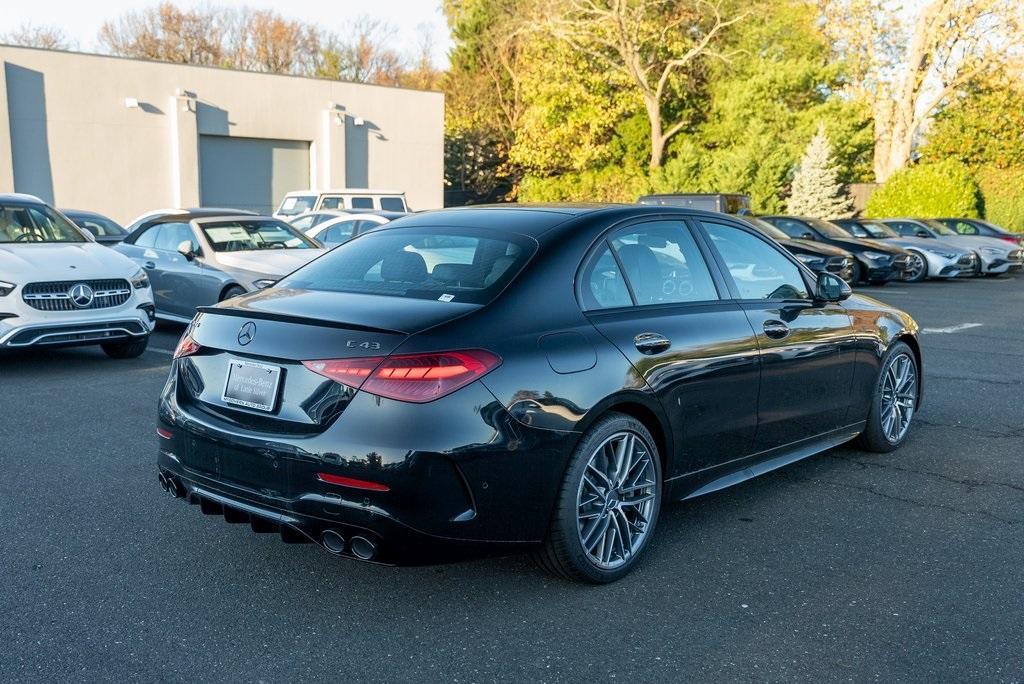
58 287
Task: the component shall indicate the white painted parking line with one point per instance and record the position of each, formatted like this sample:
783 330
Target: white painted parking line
169 352
952 328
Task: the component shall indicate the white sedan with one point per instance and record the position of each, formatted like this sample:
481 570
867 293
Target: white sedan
340 229
58 287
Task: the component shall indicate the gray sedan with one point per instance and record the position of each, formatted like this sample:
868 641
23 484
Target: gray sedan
196 259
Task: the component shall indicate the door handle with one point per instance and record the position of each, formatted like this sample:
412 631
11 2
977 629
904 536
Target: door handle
775 329
149 265
651 343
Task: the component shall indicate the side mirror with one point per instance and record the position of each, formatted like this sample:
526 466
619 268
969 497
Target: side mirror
923 233
808 235
831 288
185 249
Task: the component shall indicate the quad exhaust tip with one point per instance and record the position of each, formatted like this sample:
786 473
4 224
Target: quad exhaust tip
163 483
333 541
362 548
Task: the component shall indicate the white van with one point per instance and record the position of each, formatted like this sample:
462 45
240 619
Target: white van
362 199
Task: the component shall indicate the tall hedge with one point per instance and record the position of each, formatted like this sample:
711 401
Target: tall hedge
944 188
1003 193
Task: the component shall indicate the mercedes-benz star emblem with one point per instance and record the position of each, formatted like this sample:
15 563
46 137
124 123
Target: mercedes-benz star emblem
246 333
81 295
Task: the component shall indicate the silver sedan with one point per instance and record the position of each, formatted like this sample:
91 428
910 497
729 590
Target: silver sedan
196 259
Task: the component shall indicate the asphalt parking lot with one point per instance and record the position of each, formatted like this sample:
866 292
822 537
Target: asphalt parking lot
848 565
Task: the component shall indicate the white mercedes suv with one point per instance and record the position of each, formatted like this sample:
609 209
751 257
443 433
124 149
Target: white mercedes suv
58 287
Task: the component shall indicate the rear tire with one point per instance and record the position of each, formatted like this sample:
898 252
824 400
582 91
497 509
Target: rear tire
232 292
608 504
893 401
126 349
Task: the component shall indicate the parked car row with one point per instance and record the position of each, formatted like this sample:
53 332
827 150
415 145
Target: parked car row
879 250
911 250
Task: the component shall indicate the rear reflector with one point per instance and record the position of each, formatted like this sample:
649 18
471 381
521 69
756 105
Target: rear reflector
409 377
165 434
352 482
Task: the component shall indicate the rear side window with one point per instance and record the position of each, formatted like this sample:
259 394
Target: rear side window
759 270
362 203
662 264
449 265
392 204
603 286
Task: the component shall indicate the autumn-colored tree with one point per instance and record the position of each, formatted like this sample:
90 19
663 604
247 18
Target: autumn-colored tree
167 33
30 35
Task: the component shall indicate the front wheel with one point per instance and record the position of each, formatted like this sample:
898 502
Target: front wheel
608 504
917 268
126 349
893 402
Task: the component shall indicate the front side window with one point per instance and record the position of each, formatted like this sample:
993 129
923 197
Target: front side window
362 203
793 228
392 204
878 231
759 270
243 235
662 264
905 228
445 264
171 236
35 223
149 237
334 202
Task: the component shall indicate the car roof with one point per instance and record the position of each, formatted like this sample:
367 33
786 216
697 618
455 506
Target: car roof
347 191
535 220
19 197
84 212
169 215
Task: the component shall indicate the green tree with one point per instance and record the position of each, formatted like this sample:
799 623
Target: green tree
945 188
982 128
763 106
657 47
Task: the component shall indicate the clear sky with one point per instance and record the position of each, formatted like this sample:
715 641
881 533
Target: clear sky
81 19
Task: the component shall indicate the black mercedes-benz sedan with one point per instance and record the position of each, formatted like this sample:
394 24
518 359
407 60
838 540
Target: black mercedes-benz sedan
876 262
543 378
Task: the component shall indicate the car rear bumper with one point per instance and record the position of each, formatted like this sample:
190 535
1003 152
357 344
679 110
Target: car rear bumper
458 476
345 528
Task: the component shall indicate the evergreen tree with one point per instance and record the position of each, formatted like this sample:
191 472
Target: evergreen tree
816 188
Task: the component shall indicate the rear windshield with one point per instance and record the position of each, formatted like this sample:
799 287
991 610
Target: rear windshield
449 265
252 234
296 204
98 225
35 223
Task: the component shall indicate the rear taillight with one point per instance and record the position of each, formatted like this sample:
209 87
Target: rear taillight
409 377
186 346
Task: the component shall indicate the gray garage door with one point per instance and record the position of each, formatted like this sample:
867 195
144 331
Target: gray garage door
250 173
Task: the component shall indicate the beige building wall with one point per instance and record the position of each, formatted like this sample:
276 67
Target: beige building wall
71 132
